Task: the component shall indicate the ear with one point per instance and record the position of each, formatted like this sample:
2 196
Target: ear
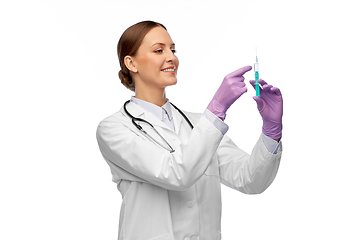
129 63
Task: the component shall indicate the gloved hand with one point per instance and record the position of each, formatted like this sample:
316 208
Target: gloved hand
231 88
270 106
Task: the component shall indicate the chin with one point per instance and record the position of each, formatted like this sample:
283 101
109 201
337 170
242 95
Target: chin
171 82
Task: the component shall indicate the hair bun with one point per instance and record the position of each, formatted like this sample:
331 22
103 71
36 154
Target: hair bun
126 80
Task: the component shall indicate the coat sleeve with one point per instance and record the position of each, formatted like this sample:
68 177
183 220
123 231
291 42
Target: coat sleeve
125 150
250 174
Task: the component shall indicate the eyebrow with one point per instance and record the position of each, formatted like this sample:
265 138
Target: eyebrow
163 44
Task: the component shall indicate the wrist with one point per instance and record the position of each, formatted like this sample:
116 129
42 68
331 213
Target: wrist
217 109
273 130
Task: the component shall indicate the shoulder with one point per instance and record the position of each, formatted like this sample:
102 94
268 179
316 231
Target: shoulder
115 117
115 120
193 117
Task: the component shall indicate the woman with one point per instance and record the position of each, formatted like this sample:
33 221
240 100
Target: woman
170 176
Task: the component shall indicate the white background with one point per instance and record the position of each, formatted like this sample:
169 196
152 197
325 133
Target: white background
59 80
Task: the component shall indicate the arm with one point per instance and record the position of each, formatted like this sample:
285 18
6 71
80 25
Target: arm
250 174
254 173
125 149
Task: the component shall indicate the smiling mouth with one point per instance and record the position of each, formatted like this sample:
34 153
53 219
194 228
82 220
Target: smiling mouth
172 69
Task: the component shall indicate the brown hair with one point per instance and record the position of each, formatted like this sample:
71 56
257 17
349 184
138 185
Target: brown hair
128 45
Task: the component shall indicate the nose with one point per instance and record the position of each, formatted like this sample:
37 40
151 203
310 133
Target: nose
171 58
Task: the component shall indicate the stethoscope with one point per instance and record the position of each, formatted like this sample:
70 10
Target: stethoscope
133 119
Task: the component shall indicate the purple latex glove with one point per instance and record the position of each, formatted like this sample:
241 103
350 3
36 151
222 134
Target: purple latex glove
231 88
270 106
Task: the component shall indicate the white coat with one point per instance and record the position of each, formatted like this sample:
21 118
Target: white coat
168 196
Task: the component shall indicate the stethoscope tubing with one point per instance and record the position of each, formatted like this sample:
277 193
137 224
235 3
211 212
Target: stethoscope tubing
134 119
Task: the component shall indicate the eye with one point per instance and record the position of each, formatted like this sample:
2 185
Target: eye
159 51
173 51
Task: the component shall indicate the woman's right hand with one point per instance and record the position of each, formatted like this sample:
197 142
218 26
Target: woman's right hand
231 88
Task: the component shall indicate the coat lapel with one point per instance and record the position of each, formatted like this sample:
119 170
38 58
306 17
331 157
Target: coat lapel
138 112
182 129
177 119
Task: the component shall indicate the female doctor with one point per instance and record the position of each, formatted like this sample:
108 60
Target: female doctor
168 164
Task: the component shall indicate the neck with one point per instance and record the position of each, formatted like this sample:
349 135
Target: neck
154 96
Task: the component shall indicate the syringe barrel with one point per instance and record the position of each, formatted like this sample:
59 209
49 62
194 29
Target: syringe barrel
257 87
256 67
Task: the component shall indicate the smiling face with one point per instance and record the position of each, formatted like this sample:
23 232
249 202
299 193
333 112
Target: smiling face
154 64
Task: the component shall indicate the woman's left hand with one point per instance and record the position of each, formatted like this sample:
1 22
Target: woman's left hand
270 106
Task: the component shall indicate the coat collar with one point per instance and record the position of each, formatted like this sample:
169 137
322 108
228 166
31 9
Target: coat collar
139 112
154 109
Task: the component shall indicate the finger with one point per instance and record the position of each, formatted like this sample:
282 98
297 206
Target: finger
272 89
276 91
240 71
239 91
267 87
262 82
243 90
233 80
239 79
259 102
239 84
252 82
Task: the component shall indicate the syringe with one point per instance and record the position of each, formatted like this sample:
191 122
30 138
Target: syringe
256 69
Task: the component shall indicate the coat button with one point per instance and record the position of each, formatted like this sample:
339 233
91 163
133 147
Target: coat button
190 204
